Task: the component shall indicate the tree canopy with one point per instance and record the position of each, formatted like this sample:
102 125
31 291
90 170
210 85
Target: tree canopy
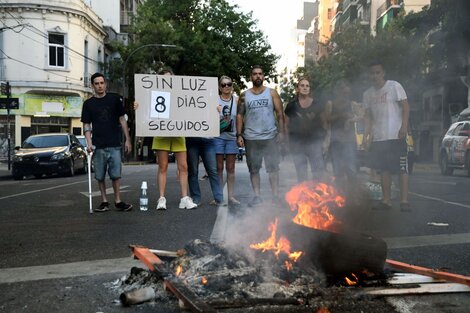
213 38
434 42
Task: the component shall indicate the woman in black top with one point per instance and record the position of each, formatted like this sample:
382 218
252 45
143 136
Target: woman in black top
306 128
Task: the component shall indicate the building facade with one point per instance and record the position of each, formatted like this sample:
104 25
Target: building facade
48 51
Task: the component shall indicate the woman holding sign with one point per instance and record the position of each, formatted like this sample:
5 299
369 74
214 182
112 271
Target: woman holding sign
163 146
226 144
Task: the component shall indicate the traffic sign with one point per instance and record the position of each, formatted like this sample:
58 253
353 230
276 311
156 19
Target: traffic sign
9 103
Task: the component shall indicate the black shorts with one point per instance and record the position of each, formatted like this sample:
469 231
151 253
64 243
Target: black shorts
389 156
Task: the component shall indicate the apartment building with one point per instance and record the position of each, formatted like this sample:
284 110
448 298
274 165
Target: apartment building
48 48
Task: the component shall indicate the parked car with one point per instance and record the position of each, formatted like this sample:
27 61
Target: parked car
82 140
455 148
47 154
464 115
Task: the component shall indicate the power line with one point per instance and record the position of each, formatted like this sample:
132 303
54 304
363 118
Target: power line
43 34
36 67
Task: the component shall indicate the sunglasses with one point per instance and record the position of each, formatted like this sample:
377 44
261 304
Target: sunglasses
223 85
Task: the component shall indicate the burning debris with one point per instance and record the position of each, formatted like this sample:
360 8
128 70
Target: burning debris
225 279
288 268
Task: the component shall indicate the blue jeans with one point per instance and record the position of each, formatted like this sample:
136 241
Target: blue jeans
202 147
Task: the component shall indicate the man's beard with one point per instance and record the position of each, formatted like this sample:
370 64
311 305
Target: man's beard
258 83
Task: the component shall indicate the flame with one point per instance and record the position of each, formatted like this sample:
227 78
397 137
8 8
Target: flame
179 270
353 281
281 245
312 201
323 310
204 280
288 265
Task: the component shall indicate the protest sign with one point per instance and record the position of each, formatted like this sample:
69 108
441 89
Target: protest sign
174 106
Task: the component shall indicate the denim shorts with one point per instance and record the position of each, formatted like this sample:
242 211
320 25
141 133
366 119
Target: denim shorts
225 146
107 160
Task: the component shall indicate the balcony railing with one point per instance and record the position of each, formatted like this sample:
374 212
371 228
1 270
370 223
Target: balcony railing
387 5
347 3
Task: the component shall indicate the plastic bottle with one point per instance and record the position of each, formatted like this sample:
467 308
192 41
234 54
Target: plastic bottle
144 200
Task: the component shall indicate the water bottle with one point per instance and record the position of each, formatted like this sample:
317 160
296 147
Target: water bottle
144 200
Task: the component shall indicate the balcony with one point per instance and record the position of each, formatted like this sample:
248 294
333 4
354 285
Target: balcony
389 5
347 4
126 17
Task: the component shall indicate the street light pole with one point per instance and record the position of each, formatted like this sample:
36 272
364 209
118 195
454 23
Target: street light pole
159 45
124 66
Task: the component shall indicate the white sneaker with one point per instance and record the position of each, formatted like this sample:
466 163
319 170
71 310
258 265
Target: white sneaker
187 203
161 203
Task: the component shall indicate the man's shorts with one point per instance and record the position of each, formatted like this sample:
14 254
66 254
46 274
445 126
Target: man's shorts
225 146
389 156
171 144
256 150
107 160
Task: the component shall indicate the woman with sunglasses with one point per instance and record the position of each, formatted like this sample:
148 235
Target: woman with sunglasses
226 148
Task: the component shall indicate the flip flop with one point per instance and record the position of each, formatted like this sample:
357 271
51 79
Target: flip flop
381 206
405 207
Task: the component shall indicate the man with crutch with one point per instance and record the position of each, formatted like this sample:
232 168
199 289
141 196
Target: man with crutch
102 114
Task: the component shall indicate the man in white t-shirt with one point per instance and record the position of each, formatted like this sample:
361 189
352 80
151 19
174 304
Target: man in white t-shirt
387 114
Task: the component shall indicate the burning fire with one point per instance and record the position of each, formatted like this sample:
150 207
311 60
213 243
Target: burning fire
204 280
312 201
179 270
281 245
353 281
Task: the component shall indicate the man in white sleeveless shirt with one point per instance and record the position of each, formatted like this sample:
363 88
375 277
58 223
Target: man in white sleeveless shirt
257 111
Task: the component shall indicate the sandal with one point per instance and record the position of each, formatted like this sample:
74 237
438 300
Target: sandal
233 201
405 207
382 206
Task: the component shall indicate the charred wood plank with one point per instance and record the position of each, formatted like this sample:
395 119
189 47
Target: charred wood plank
242 303
188 297
182 292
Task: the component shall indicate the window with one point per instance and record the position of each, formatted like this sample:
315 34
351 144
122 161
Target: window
56 50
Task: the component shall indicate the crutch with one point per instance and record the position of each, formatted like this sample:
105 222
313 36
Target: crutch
89 157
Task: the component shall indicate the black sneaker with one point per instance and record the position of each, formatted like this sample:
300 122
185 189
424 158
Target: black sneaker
104 206
122 206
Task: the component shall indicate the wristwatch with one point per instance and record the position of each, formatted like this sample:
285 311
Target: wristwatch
239 135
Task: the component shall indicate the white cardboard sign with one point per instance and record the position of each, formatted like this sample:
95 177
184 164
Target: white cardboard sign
174 106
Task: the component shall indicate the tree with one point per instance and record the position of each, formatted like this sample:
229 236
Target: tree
352 49
213 37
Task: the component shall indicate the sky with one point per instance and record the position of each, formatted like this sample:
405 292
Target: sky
277 19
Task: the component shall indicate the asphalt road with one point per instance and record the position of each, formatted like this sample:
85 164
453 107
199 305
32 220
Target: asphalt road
55 256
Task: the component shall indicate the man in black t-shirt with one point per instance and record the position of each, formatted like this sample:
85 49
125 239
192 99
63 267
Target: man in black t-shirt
105 113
